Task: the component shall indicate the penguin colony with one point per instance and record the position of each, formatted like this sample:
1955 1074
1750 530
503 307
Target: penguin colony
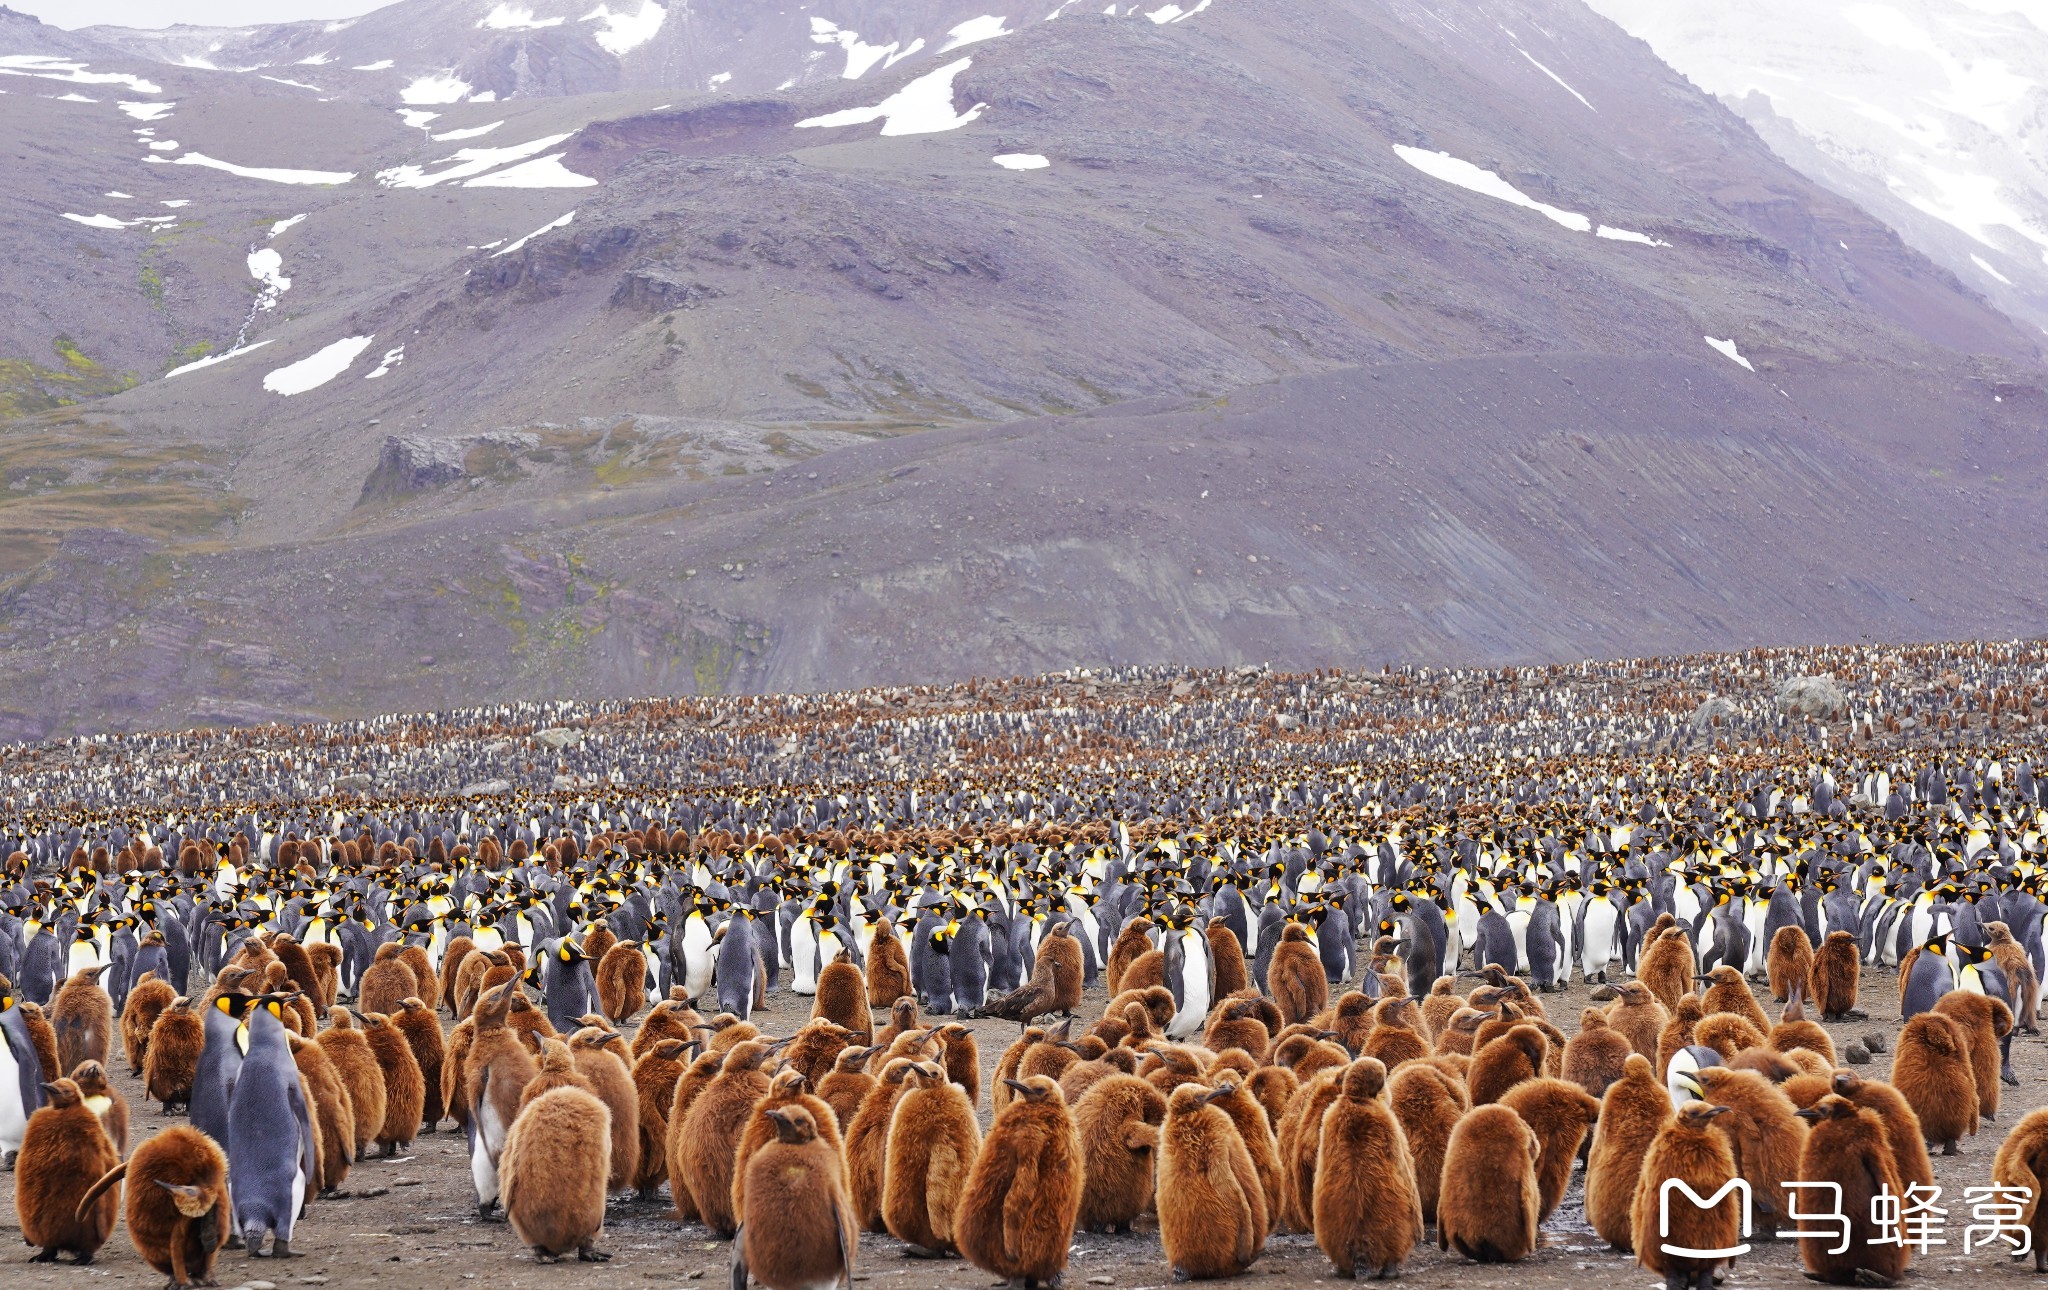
1325 943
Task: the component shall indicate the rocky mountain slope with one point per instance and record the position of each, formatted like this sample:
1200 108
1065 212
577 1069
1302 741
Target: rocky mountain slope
1212 333
1927 113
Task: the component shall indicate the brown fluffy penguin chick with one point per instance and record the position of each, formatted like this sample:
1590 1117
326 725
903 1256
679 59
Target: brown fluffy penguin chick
1836 966
846 1085
64 1151
788 1088
888 969
177 1203
326 960
1901 1125
1295 978
932 1141
1226 957
1255 1130
654 1086
1727 1033
454 1079
2019 973
83 1017
596 1054
557 1069
1680 1030
1441 1004
1931 1069
1008 1064
1667 966
690 1086
421 1030
1634 1110
842 998
1366 1209
797 1230
904 1018
814 1047
334 1120
1237 1024
1487 1207
1983 1021
444 994
669 1019
171 1062
1788 963
1015 1217
1765 1133
1134 941
106 1102
1212 1210
1795 1031
962 1059
2022 1162
1847 1146
621 978
553 1172
145 1003
1594 1057
1118 1120
386 981
495 1071
1274 1087
711 1132
1144 972
1560 1113
1640 1015
867 1144
1397 1034
1728 991
349 1049
1428 1102
1298 1140
1460 1031
405 1084
1506 1062
1688 1149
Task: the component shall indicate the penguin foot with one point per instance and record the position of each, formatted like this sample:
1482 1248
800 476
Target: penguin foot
82 1259
541 1255
1180 1275
589 1254
920 1252
1951 1149
483 1211
2008 1077
47 1256
1875 1280
7 1162
281 1248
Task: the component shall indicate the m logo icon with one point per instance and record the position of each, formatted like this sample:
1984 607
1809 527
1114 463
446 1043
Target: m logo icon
1737 1185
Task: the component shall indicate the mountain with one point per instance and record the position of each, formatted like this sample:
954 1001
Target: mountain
1926 113
1212 333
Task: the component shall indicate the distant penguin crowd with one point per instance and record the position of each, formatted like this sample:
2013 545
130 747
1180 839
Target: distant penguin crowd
743 1000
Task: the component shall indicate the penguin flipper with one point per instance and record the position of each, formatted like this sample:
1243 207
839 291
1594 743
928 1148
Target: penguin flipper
1020 1207
295 1094
842 1227
739 1258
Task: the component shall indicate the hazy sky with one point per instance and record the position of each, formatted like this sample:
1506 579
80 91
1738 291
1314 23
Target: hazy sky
211 13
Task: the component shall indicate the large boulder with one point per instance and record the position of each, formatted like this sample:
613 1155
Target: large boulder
1812 696
1715 706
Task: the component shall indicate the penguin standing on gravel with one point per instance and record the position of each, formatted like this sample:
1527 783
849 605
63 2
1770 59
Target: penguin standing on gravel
270 1136
21 1076
565 978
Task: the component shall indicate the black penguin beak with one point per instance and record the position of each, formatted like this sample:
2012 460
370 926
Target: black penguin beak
1810 1114
1218 1093
1018 1087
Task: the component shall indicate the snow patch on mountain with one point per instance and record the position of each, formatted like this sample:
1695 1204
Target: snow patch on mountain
270 174
1452 170
625 32
444 88
541 172
466 163
209 362
924 106
316 369
516 17
548 227
1726 348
